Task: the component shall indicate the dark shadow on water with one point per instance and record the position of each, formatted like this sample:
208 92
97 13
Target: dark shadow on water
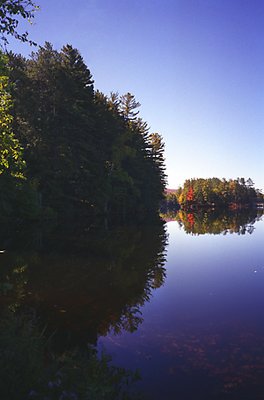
80 283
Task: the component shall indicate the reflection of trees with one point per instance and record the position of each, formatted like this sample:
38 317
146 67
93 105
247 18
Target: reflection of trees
213 222
12 285
82 285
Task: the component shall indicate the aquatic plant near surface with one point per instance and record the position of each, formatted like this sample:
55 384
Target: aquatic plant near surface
29 370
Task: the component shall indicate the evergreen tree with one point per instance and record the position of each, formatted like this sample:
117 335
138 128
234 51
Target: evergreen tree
90 154
128 105
58 133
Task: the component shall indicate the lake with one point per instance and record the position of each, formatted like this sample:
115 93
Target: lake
202 331
182 302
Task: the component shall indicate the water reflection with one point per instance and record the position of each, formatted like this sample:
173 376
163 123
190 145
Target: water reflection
216 222
83 284
202 336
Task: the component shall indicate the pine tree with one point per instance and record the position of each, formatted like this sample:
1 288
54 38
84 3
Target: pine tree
90 154
128 105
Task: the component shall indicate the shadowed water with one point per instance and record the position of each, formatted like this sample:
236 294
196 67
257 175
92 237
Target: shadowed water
182 303
82 284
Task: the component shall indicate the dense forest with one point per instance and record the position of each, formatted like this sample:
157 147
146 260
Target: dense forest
68 150
213 192
70 153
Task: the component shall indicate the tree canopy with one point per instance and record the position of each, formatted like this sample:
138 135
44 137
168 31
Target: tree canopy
11 12
11 162
88 153
214 192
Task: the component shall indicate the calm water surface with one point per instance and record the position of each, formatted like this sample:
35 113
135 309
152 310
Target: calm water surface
182 303
202 334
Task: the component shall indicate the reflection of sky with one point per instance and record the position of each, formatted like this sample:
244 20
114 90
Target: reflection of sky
208 269
207 317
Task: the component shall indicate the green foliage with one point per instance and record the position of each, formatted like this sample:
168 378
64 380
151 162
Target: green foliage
214 192
11 162
18 199
90 154
17 196
170 202
127 105
10 13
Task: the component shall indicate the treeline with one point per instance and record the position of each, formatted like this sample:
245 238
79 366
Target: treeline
69 150
213 192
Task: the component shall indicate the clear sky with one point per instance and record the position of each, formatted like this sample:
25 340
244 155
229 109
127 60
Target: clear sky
196 67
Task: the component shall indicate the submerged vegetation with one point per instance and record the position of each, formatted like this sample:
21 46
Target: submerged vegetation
30 370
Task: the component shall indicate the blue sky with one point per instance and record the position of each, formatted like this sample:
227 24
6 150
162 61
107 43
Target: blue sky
196 67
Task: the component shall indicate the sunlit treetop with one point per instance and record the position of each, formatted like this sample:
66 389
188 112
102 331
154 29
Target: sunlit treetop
11 13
